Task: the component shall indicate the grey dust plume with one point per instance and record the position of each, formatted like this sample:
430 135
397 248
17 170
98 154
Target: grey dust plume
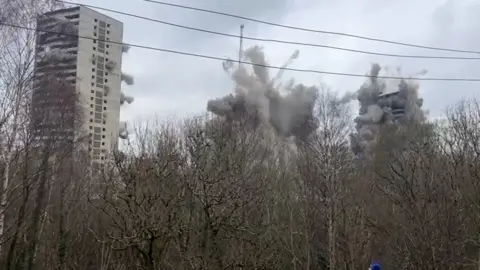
128 79
381 103
259 98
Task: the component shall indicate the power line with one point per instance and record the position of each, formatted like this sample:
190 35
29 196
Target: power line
312 30
242 62
272 40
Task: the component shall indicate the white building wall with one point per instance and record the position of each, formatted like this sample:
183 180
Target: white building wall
93 24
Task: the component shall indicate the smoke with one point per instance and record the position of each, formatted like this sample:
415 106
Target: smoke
128 79
110 65
258 98
382 103
123 131
124 98
347 97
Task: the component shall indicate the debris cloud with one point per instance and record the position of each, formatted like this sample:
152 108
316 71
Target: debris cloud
383 103
288 111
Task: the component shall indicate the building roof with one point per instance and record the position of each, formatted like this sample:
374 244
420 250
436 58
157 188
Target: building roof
60 11
389 94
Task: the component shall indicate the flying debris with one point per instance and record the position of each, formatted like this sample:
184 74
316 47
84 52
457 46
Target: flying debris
383 103
227 65
259 98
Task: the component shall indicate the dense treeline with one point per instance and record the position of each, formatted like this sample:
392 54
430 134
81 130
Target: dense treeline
208 194
216 196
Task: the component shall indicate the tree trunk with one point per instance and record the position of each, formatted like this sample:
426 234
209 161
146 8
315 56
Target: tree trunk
39 203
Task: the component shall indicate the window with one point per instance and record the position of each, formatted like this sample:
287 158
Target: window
94 34
91 113
106 73
94 48
92 91
108 25
91 105
93 76
108 46
108 32
106 80
106 52
90 127
93 84
93 69
103 136
105 101
96 20
91 98
105 108
94 41
94 27
91 120
103 129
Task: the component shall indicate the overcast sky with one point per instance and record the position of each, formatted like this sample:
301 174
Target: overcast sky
169 84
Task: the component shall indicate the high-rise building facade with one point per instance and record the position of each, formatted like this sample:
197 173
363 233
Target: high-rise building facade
83 59
395 105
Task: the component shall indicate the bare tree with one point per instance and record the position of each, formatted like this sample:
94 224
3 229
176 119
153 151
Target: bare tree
17 57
